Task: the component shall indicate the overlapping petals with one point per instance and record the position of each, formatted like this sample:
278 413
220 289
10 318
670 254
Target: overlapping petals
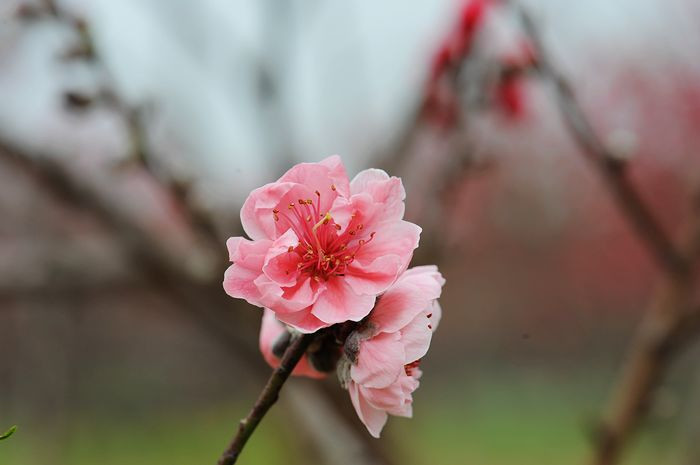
322 248
395 337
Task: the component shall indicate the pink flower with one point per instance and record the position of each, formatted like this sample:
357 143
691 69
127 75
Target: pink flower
274 337
322 247
388 347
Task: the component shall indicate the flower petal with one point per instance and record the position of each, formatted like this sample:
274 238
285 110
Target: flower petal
397 398
248 257
374 419
384 190
289 299
281 264
303 321
256 214
435 315
412 294
416 337
328 177
338 303
380 361
376 277
398 238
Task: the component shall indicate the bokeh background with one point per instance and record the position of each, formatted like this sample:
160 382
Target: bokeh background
123 166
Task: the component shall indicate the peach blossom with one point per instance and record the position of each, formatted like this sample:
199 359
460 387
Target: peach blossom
386 351
321 247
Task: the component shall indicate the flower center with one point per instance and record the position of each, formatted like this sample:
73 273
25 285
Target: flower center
324 249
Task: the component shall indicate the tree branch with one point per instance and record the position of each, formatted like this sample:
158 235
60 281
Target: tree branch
610 166
203 299
267 398
667 324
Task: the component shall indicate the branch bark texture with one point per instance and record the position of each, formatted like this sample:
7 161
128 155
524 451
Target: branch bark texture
267 398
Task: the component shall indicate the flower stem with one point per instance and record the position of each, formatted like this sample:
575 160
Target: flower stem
267 398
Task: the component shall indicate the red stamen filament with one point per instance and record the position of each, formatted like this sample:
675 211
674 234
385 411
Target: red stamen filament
324 250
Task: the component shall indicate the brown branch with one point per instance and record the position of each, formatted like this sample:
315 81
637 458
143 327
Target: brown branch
133 118
267 398
203 301
662 334
667 324
610 166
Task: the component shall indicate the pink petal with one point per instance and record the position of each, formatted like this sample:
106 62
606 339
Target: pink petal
376 277
380 361
435 315
328 177
303 321
289 299
374 419
416 337
396 398
412 294
281 264
338 303
305 292
256 214
396 238
248 257
384 190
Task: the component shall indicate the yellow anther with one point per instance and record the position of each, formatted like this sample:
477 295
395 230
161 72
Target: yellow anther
324 220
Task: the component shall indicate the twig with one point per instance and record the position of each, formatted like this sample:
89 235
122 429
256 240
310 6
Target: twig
133 119
661 335
204 301
610 166
668 324
267 398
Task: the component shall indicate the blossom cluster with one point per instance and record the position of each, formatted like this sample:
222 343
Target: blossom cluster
330 256
505 72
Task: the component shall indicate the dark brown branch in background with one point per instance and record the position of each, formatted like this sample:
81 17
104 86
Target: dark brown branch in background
610 166
669 323
133 119
267 398
202 301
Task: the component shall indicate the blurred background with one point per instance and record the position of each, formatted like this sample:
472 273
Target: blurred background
132 131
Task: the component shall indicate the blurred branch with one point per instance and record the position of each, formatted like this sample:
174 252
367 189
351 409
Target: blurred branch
668 323
267 398
611 167
203 303
133 118
203 300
